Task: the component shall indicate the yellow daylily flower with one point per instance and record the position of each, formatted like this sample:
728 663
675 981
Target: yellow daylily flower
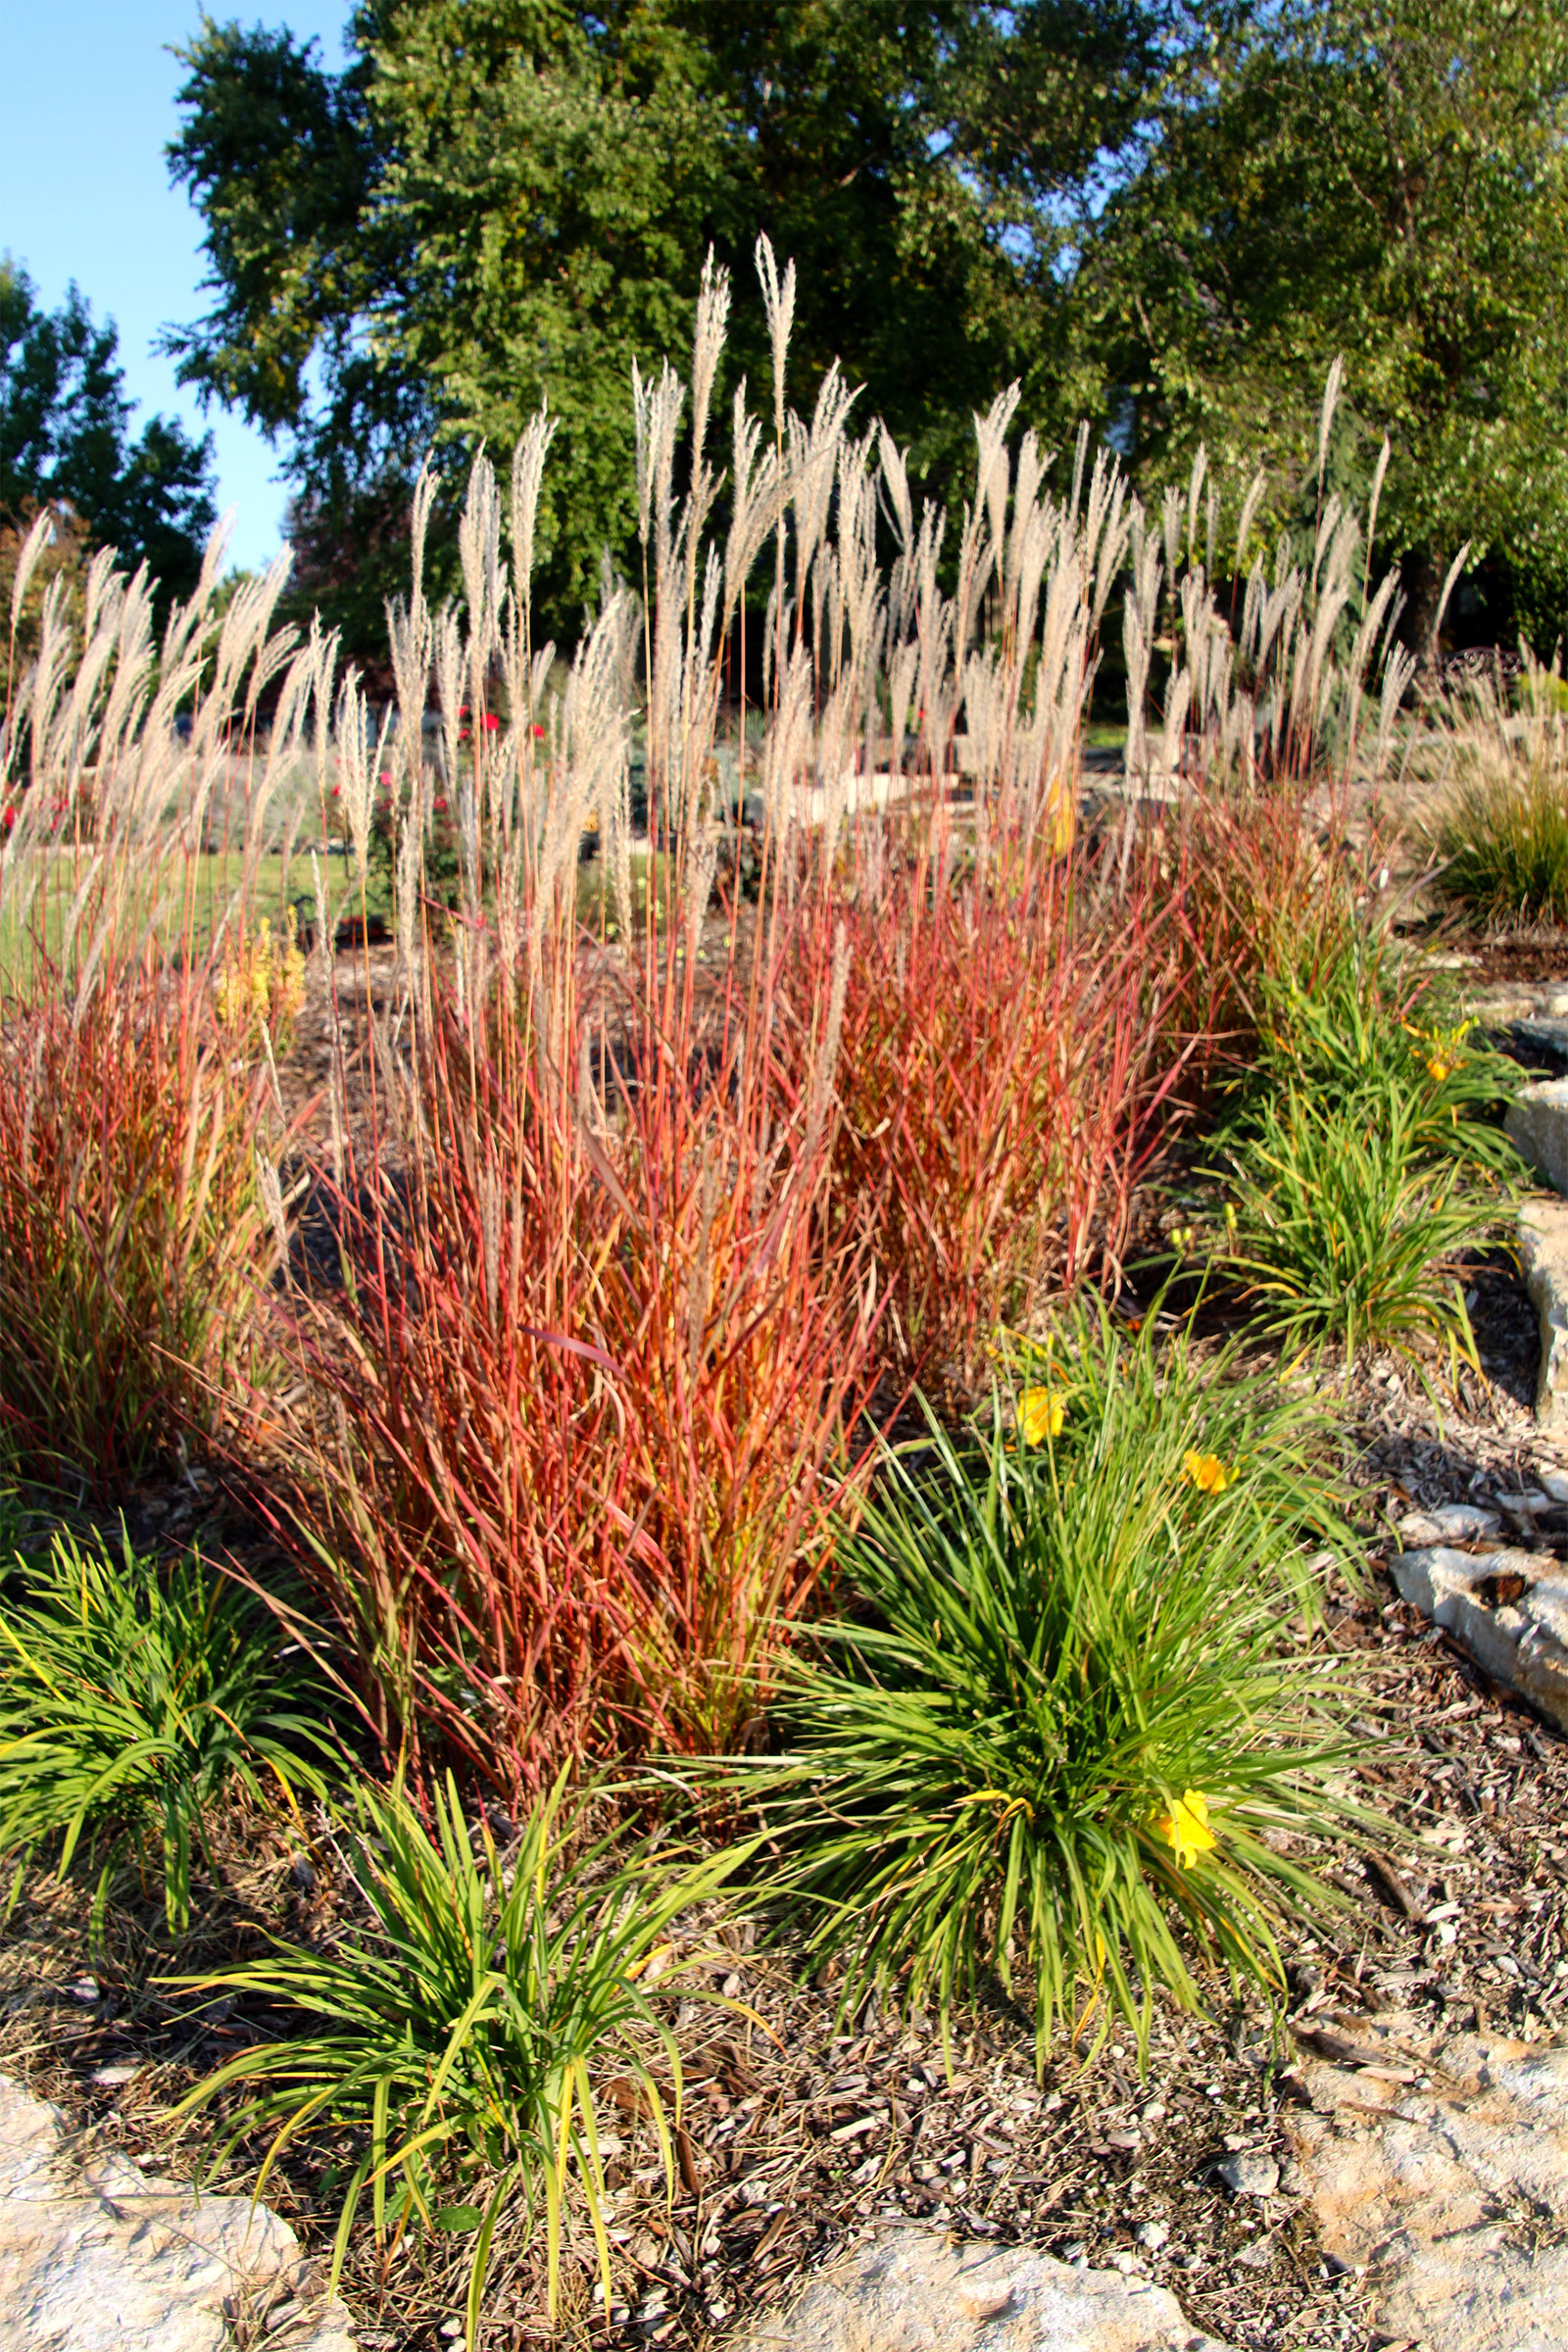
1440 1050
1041 1414
1185 1829
1207 1472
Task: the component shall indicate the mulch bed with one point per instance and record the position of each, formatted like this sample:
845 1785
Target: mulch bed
1523 959
800 2138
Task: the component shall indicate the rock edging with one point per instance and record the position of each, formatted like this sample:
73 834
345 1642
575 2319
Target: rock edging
1439 2171
917 2290
1508 1609
98 2256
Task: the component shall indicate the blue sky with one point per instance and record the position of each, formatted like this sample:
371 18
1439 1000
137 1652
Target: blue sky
86 108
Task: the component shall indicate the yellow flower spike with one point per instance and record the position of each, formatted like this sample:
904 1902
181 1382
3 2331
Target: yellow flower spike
1185 1829
1438 1070
1207 1472
1041 1414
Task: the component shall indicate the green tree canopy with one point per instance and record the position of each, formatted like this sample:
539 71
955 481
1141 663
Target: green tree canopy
1171 214
498 200
1385 180
65 440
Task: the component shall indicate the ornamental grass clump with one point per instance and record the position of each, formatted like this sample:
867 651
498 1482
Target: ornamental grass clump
461 2033
1502 829
590 1387
1003 1088
1350 1233
1356 1032
1068 1739
132 1699
134 1238
566 1445
143 999
1366 1157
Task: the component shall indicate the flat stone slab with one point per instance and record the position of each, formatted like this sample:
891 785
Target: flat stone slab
913 2289
1538 1044
1508 1609
98 2256
1538 1123
1543 1255
1449 2188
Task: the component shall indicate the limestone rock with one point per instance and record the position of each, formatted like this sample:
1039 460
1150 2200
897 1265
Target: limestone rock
1537 1122
1541 1042
1509 1610
1544 1253
1449 1523
1452 2197
1251 2174
100 2256
913 2290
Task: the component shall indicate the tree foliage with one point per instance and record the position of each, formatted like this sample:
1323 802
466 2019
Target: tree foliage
500 201
1385 180
1171 214
64 442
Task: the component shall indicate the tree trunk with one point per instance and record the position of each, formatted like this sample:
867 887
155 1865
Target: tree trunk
1421 574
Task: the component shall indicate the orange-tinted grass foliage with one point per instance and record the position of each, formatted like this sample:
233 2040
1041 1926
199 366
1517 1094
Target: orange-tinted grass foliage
581 1419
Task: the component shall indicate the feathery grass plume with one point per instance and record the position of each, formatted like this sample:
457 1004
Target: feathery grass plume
707 343
1325 422
1379 474
479 551
813 463
27 560
356 768
527 476
1140 622
1194 490
778 303
1254 499
759 501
